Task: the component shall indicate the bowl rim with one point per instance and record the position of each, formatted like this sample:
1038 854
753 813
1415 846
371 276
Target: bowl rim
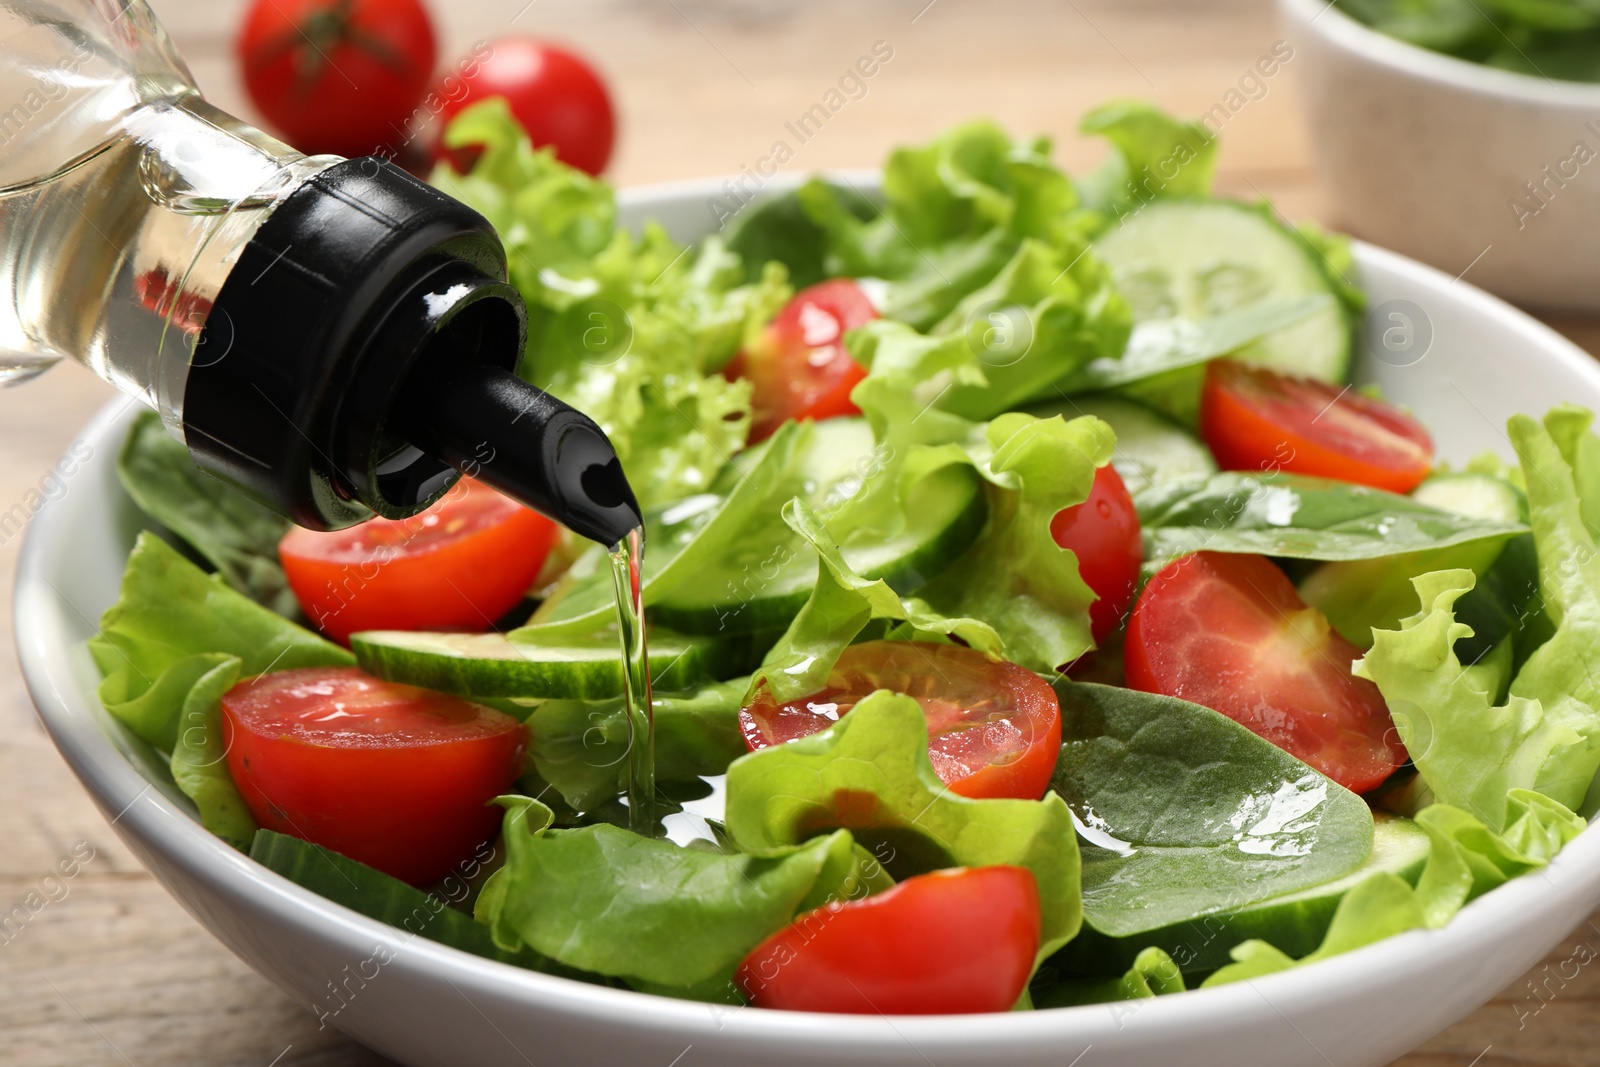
73 719
1325 18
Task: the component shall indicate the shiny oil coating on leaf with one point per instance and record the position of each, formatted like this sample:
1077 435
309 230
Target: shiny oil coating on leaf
1294 516
1185 813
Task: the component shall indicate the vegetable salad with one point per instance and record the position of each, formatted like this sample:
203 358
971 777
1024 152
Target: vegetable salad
1037 615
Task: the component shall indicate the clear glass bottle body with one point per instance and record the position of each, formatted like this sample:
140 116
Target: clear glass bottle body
124 197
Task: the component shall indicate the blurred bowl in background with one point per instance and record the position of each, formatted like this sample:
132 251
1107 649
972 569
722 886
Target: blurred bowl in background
1465 167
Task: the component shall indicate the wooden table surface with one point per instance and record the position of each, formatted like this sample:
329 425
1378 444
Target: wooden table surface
113 971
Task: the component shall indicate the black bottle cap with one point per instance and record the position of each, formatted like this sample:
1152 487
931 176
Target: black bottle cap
301 388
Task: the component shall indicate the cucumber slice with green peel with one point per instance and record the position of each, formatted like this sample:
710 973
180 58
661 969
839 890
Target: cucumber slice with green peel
485 666
1197 258
1151 448
766 577
1294 923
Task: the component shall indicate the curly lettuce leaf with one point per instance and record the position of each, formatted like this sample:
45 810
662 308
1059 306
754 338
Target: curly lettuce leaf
657 915
172 644
1151 974
870 774
169 614
1469 749
839 608
1015 577
233 533
629 329
1154 155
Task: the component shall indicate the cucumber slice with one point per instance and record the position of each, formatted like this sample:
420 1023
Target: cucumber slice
1151 448
485 666
1478 496
1196 258
763 582
1295 922
1359 596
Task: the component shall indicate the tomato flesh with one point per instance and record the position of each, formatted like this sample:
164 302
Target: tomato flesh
554 94
946 943
798 368
1103 532
994 728
1256 419
459 565
340 76
396 777
1230 632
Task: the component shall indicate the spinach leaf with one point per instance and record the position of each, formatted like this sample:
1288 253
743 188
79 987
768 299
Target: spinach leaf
1161 345
1185 813
870 774
233 533
1276 514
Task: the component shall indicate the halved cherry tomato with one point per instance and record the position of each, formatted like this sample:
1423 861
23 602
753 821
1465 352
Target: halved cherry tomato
460 565
946 943
1230 632
1255 419
1103 532
341 76
994 728
396 777
554 94
799 368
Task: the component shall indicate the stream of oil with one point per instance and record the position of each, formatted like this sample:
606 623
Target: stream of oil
627 559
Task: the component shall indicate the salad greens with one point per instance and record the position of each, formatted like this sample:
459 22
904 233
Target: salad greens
1297 517
233 534
1185 813
604 900
630 330
1005 284
1547 38
870 774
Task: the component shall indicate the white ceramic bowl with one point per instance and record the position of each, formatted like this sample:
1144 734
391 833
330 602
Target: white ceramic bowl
1427 154
431 1005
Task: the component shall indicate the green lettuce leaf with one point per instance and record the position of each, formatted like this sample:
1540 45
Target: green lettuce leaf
1185 813
175 641
199 758
630 330
1294 516
646 910
870 774
580 747
233 533
169 613
1469 749
1154 155
839 608
1015 577
1152 973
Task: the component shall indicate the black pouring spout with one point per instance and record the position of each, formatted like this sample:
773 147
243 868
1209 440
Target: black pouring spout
499 429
